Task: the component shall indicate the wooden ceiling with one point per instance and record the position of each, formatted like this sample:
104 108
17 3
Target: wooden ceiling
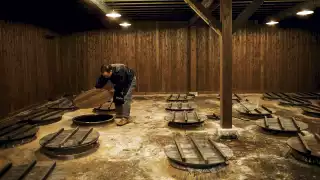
65 16
169 10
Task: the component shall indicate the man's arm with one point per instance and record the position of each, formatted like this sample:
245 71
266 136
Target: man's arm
101 82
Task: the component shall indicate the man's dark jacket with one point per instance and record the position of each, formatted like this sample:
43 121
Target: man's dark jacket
121 77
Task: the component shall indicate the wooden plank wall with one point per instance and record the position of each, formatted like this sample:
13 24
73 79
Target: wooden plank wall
160 67
30 67
33 68
182 59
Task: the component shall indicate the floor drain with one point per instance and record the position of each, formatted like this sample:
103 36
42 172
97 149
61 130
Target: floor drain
199 153
14 134
282 124
70 144
92 119
306 148
32 171
185 119
179 107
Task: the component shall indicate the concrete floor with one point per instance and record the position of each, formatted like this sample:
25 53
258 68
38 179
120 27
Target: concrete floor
135 151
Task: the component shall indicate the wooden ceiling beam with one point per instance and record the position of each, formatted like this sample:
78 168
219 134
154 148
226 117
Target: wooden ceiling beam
210 5
205 14
246 14
310 4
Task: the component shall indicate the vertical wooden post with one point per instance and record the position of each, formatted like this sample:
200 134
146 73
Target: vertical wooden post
226 64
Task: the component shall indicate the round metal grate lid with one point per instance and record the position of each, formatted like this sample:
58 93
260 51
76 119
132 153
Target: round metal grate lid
282 124
197 152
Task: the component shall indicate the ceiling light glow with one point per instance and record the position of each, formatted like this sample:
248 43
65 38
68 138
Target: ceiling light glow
125 24
272 22
304 13
113 14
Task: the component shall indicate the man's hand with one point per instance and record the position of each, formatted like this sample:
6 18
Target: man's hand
118 98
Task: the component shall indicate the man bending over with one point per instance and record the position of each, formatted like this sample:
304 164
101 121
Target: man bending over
124 82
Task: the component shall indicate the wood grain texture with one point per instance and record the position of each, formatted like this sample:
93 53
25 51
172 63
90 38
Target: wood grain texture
159 57
182 59
226 64
30 69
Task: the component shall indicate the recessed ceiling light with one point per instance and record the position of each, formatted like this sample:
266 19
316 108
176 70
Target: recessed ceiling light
272 22
305 12
125 24
113 14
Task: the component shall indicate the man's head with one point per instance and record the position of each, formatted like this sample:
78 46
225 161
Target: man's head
106 71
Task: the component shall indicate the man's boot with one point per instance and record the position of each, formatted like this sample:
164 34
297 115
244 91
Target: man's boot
123 121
